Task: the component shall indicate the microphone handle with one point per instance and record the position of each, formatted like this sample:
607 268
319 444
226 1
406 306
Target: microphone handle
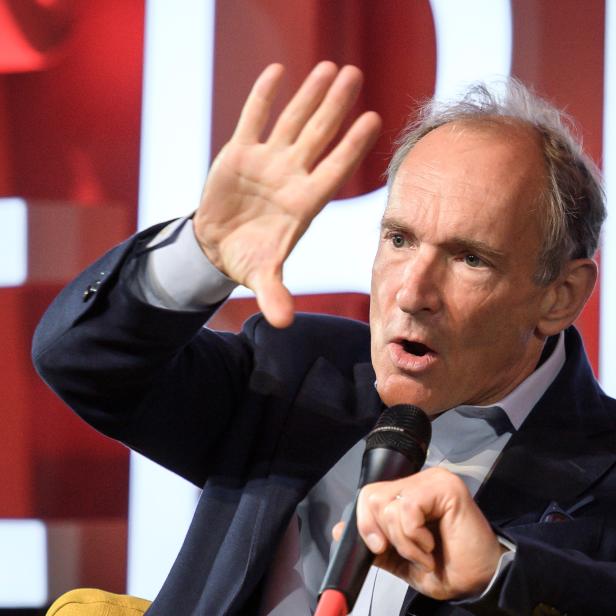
351 560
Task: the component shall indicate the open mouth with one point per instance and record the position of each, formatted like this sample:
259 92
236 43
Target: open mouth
416 348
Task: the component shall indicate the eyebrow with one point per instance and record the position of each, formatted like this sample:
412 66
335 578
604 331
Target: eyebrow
477 247
391 223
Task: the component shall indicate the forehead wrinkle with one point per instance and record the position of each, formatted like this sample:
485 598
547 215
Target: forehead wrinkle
419 195
430 177
430 186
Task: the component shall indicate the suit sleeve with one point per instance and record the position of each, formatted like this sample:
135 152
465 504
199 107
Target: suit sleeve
543 577
568 568
153 378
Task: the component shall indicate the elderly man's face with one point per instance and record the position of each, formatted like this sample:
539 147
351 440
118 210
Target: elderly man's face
454 309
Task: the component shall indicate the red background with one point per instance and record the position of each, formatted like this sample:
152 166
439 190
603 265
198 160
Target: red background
70 105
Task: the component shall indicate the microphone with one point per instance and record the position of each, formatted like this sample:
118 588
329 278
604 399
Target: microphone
395 448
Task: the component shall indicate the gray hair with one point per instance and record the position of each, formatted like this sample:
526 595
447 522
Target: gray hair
573 196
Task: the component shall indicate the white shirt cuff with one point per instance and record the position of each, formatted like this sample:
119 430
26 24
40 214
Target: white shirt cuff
178 275
504 561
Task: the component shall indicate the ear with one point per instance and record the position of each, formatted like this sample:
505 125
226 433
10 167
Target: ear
567 295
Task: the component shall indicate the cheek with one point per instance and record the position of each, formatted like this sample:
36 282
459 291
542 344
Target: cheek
377 297
383 303
376 330
496 322
378 319
386 277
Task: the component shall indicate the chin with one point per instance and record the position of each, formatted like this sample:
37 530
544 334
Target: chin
396 392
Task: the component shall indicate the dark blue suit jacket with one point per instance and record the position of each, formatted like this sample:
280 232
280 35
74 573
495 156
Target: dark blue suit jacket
257 418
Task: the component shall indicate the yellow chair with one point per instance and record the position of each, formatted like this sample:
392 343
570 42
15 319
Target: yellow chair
93 602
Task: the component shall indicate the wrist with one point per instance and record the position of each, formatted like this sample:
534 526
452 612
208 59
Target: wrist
208 246
506 552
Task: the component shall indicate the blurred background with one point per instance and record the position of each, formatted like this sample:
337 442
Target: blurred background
110 112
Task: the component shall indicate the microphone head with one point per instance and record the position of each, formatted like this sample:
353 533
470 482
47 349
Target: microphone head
403 428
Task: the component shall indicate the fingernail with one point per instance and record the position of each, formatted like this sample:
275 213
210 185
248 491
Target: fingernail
374 542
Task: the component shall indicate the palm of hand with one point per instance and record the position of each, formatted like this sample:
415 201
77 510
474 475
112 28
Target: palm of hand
259 204
261 196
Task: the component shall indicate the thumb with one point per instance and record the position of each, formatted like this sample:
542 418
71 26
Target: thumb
337 531
274 300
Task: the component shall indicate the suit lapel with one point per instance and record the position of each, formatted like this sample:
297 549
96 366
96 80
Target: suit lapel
558 453
551 473
330 414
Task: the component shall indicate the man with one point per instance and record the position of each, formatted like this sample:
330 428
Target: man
485 259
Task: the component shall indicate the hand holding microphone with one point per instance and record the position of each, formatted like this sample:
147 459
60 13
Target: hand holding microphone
395 448
427 530
423 527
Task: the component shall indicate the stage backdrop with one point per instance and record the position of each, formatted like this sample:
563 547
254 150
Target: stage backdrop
110 111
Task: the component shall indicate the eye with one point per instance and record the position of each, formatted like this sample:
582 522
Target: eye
473 260
397 240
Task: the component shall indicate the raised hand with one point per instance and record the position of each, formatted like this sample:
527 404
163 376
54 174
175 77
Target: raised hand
427 530
261 195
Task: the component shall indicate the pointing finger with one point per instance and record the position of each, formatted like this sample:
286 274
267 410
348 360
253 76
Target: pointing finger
256 110
369 503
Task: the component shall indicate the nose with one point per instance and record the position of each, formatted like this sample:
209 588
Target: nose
421 286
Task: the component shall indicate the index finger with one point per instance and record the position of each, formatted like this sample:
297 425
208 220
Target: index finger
256 109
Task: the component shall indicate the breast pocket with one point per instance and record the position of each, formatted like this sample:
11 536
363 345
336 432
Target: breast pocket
581 534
